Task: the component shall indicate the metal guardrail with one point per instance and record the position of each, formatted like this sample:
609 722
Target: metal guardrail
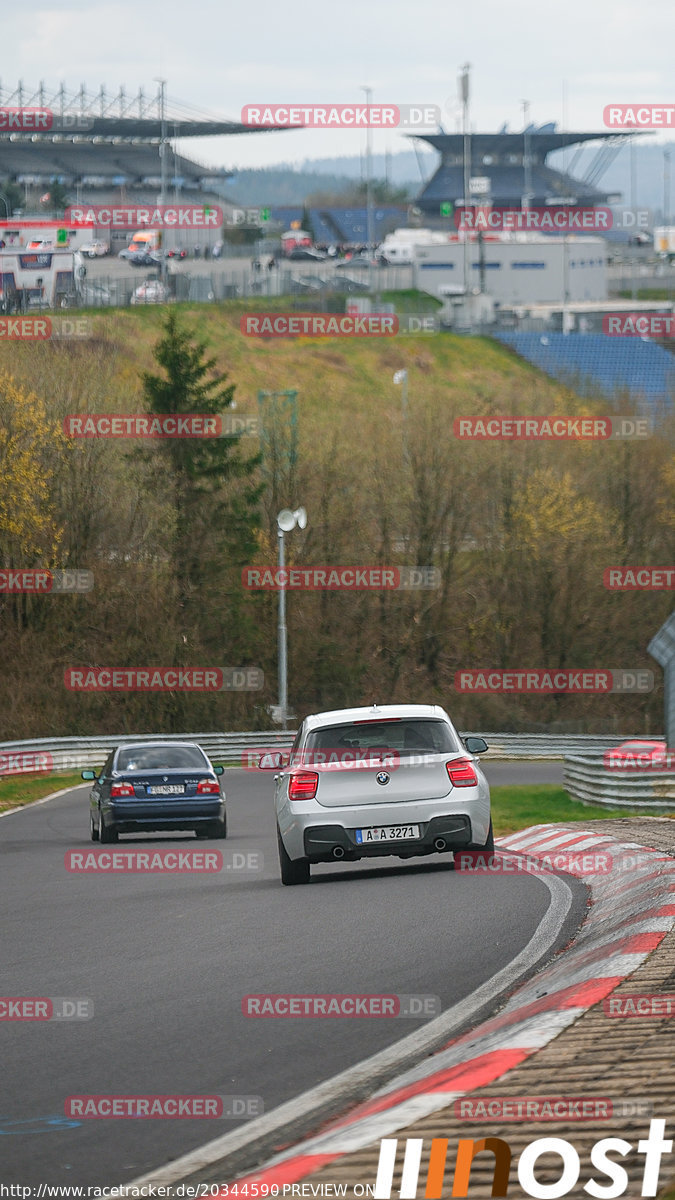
587 778
75 753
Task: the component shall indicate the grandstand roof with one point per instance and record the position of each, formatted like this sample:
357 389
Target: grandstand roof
515 163
99 164
104 114
99 139
540 141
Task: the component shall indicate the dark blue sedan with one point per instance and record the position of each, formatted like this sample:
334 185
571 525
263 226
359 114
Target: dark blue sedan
147 786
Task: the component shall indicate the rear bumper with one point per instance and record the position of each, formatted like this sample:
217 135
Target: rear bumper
321 841
461 818
139 815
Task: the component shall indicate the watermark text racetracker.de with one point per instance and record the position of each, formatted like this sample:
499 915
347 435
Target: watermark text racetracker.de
555 429
36 581
639 116
582 863
291 325
16 120
160 861
164 679
160 425
163 1107
341 1005
640 1004
365 758
134 216
639 324
549 1108
635 579
345 578
43 329
568 681
44 1008
341 116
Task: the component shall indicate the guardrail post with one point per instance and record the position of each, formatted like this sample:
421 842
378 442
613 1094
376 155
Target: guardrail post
662 648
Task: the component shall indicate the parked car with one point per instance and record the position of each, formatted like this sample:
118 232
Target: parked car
306 253
94 249
144 258
367 782
148 786
639 755
151 291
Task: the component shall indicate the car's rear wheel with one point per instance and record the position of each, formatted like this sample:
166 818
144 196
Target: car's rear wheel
479 856
106 835
293 871
93 831
218 829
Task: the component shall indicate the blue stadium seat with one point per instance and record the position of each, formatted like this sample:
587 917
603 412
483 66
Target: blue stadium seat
612 366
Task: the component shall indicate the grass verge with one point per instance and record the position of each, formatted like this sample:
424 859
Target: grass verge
513 808
23 789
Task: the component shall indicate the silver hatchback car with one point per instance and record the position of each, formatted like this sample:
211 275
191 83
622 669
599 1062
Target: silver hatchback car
367 782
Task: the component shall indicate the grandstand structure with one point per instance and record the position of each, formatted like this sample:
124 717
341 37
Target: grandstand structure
104 147
516 169
593 364
343 225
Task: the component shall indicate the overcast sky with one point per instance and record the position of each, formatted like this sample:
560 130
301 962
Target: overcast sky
220 55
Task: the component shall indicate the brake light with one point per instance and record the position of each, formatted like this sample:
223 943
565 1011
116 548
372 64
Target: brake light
461 773
302 785
208 786
122 789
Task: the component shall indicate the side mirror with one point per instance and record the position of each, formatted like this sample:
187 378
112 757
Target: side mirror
476 745
88 774
219 769
273 762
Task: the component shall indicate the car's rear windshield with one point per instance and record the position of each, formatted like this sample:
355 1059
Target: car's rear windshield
407 736
158 758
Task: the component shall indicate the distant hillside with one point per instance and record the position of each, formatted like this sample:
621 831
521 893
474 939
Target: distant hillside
292 183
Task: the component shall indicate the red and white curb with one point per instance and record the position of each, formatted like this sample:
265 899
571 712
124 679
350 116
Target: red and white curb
633 908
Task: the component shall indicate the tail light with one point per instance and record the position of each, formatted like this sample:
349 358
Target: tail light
461 773
122 789
302 785
208 787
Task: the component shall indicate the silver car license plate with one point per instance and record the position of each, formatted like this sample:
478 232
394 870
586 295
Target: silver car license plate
171 789
387 833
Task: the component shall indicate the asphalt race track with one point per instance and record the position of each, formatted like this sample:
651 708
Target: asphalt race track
167 960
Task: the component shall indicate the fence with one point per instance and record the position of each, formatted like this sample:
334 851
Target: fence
587 778
73 753
103 290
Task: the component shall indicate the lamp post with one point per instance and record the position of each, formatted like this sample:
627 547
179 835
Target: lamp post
369 198
163 173
401 377
466 156
287 520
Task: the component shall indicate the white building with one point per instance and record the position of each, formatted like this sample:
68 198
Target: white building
516 269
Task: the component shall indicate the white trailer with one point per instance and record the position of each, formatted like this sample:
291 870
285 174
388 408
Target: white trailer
399 247
38 279
664 241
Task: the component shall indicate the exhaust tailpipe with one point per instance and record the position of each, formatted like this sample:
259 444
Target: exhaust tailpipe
338 852
439 844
